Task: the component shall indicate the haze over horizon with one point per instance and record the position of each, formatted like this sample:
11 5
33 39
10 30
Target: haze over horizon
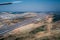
31 5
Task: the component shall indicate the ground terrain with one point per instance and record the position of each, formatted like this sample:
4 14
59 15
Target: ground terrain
39 32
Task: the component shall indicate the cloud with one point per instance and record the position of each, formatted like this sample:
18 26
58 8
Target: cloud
17 2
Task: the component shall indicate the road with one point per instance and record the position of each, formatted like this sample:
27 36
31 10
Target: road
5 29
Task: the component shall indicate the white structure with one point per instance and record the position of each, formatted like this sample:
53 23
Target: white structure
7 16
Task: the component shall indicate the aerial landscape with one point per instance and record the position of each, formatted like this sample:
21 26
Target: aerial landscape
30 20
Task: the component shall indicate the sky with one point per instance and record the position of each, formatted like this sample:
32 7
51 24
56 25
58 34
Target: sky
31 5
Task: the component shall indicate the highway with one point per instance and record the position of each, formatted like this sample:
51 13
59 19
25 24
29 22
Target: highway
6 28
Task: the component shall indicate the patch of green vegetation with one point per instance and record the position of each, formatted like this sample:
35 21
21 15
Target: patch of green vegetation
42 28
19 38
56 18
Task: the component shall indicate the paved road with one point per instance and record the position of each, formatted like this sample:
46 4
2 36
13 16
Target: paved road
5 29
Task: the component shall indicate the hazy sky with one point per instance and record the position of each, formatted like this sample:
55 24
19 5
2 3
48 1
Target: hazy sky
31 5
